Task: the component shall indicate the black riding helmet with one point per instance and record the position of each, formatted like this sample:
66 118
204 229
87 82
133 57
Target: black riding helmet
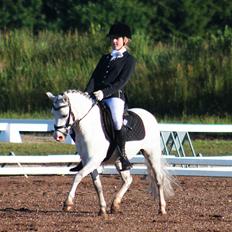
120 29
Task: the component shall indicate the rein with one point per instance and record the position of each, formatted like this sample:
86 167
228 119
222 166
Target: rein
78 121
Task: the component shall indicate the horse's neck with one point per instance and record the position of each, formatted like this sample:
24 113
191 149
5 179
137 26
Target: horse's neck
89 128
80 104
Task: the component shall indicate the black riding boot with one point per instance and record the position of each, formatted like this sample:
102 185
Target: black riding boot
80 165
120 140
72 135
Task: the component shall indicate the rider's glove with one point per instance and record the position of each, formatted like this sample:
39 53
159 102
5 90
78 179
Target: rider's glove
99 95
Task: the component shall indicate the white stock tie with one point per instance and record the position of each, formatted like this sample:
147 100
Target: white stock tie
116 54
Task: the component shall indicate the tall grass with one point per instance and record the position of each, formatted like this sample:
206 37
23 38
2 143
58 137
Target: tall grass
32 65
177 78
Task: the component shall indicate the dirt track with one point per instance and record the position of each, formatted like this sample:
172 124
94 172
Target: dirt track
35 204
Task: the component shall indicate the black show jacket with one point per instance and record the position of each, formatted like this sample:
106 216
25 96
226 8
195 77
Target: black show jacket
111 76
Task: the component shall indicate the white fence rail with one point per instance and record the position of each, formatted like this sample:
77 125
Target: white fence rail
174 134
60 165
10 129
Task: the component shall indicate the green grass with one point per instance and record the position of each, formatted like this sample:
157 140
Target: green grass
33 115
213 147
205 147
36 148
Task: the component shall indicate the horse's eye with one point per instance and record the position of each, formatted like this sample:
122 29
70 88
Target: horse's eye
64 116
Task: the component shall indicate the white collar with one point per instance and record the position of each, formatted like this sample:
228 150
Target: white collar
117 53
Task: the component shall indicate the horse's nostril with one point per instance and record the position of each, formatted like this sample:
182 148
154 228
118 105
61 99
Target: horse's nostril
60 137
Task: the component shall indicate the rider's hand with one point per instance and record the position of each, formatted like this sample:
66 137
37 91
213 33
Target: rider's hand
99 95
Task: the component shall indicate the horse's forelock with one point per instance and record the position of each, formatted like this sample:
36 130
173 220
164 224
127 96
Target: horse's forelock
60 99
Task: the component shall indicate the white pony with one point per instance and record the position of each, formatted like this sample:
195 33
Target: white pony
76 110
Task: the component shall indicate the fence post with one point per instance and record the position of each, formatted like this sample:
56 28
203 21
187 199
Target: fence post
11 134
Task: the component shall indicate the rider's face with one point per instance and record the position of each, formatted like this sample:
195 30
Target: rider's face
117 42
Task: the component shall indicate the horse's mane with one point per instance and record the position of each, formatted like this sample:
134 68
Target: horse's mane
74 91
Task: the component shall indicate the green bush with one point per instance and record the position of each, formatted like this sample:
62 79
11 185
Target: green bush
181 77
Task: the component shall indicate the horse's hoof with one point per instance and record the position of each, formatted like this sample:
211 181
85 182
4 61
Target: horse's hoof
67 208
103 213
162 212
115 209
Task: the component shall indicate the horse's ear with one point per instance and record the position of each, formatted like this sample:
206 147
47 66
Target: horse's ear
50 95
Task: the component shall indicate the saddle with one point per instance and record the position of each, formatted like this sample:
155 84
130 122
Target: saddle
133 126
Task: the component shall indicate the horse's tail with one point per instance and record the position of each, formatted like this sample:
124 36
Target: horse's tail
166 178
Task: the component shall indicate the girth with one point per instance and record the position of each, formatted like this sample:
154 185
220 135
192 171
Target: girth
134 127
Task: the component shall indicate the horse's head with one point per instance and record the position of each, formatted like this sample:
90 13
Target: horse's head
63 116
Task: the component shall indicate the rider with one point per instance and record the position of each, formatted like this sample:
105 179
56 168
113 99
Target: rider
109 79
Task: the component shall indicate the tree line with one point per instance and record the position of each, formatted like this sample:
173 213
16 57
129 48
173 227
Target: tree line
160 19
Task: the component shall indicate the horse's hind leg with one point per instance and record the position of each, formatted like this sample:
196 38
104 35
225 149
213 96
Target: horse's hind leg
127 180
98 187
156 176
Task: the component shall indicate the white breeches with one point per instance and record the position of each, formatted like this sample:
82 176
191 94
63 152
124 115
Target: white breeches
116 106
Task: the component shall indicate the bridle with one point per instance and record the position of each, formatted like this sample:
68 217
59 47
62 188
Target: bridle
67 126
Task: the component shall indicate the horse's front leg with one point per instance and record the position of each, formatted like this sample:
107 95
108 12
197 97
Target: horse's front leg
88 168
68 204
98 187
127 180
